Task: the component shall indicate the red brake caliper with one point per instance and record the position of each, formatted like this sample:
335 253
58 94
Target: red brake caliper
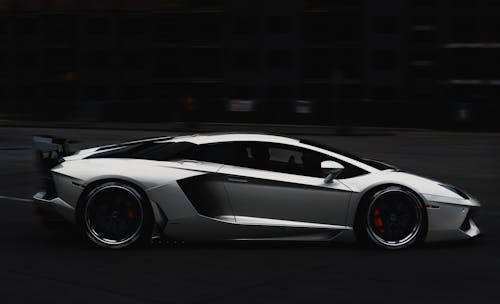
130 212
377 220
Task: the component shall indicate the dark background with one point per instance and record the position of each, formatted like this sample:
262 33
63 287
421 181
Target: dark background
82 69
398 63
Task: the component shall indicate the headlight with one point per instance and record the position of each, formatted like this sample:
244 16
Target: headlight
455 190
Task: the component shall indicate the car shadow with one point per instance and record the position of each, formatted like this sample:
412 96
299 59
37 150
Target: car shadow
67 236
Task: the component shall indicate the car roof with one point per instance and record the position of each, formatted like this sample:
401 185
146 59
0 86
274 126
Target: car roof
227 137
208 138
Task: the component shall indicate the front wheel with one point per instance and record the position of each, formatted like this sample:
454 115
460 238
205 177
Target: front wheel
392 218
115 215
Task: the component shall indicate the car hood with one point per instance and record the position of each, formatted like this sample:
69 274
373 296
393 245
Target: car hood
429 189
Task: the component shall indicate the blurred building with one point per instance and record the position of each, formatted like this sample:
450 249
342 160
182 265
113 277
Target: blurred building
387 62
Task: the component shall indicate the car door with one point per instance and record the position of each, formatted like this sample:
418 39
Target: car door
283 192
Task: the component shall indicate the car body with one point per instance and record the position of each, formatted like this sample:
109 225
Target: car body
242 186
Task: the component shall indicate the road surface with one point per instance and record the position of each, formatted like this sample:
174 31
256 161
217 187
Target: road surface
54 266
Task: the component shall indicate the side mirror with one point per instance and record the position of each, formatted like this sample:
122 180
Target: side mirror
334 169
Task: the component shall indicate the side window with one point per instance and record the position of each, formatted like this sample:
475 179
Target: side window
293 160
271 157
230 153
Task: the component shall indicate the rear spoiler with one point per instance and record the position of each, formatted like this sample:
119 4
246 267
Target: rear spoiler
50 151
50 147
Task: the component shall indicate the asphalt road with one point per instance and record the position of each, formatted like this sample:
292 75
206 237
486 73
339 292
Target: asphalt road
41 265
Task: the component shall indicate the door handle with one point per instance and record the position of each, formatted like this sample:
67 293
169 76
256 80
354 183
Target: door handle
237 180
195 162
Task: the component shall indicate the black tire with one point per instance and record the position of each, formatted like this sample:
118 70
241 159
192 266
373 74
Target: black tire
115 215
391 218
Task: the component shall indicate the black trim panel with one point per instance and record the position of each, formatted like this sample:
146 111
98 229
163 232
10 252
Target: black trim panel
270 182
207 194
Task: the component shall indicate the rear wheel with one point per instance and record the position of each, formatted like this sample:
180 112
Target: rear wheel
392 218
115 215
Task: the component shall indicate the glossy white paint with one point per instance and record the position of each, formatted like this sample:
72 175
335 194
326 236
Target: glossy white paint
257 221
266 205
263 194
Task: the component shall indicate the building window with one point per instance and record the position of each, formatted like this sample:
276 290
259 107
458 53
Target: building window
351 91
60 28
3 63
384 24
347 27
26 26
167 91
423 3
133 60
347 62
316 91
27 59
423 37
3 26
317 4
245 25
167 63
131 25
280 24
384 93
315 27
98 26
464 29
98 92
423 21
243 91
99 59
26 92
464 63
384 60
131 31
422 56
206 4
317 63
60 92
244 60
280 92
421 73
491 63
493 3
208 27
168 28
492 28
132 92
59 61
463 3
347 3
280 59
206 63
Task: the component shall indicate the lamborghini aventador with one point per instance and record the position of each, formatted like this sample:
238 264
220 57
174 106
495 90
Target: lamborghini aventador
244 187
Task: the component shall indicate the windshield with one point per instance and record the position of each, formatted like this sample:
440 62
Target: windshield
370 162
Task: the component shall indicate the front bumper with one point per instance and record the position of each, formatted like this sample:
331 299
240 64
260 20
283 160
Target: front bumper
469 226
451 220
54 206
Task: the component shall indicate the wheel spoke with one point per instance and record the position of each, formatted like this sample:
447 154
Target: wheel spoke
114 215
394 218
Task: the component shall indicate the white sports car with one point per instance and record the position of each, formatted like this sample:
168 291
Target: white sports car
245 187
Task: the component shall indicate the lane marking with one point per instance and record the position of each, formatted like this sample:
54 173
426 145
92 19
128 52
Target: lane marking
17 199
